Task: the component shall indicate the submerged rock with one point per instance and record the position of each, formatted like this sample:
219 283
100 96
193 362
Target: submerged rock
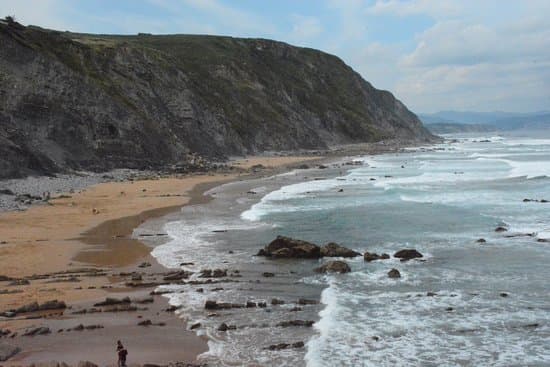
334 267
282 346
371 256
407 254
225 327
213 305
335 250
177 275
501 229
394 273
213 273
303 302
275 301
306 323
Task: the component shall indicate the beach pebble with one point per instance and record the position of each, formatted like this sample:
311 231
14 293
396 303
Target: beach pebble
145 323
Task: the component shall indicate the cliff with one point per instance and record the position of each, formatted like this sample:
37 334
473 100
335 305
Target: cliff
96 102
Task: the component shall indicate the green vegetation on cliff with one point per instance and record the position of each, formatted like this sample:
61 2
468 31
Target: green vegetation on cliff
78 101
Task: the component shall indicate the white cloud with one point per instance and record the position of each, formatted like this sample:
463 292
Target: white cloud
436 8
233 18
305 28
489 54
44 13
518 86
352 24
376 62
460 43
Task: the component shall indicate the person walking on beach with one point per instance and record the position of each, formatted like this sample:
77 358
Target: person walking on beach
122 353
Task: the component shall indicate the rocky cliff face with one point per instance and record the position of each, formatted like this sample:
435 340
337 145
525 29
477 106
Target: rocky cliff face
73 101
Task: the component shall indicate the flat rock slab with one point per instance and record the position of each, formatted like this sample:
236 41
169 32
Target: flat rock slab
7 351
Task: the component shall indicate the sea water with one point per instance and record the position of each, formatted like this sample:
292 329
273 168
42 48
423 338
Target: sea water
466 304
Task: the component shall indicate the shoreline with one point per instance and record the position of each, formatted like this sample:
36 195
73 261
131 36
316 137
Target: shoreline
123 254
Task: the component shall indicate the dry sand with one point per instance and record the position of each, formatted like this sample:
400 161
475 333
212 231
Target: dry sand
93 228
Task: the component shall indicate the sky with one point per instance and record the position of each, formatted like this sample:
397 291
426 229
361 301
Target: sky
477 55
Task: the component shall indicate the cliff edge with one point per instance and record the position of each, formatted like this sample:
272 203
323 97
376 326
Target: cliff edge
97 102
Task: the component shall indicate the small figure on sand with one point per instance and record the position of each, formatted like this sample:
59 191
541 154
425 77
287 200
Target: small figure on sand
122 353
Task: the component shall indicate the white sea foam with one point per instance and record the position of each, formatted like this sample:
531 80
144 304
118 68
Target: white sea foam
526 141
270 202
467 322
193 241
529 169
401 329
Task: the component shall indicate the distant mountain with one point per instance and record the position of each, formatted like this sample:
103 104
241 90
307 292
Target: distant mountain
535 121
433 119
453 127
498 119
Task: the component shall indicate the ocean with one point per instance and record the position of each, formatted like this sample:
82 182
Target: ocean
465 304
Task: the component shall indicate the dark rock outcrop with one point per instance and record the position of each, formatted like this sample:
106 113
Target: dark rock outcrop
214 305
371 256
394 274
275 302
213 273
335 250
35 307
7 351
407 254
76 101
282 346
286 247
177 275
307 323
109 301
225 327
334 267
42 330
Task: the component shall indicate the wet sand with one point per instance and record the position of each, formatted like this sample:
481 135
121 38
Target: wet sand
93 228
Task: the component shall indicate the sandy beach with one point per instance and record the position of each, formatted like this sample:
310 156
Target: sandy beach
79 249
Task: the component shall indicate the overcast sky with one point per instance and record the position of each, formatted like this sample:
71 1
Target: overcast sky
434 55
